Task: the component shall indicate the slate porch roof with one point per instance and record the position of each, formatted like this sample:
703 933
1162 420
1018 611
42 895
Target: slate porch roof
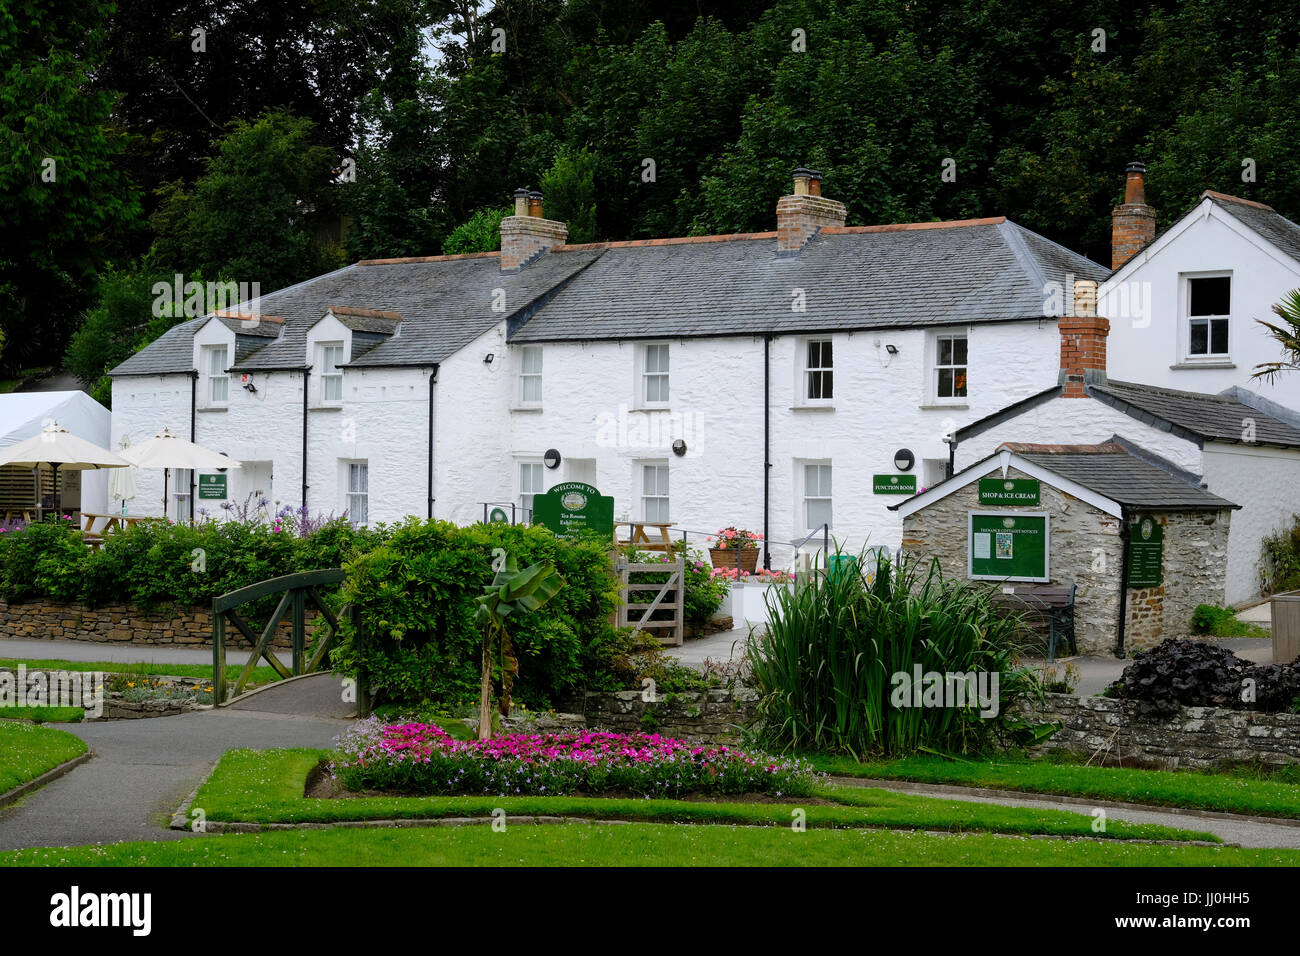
916 274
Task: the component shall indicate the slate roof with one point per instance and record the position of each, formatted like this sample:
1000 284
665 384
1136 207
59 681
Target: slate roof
987 270
1194 415
917 274
1112 472
1265 220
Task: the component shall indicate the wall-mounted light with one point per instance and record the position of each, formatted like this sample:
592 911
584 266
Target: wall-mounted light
552 458
679 448
904 459
487 359
891 349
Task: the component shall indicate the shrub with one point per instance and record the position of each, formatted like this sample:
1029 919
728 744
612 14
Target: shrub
1185 673
1222 622
415 596
45 558
1279 566
422 758
827 665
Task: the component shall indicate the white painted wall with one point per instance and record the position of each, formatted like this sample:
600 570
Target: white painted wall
1266 483
1079 421
1150 348
144 405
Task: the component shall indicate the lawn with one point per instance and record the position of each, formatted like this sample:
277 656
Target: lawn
44 715
266 786
27 751
1227 792
637 845
261 675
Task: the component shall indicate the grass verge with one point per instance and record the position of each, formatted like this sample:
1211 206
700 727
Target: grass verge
27 751
261 675
638 844
1225 792
266 786
44 715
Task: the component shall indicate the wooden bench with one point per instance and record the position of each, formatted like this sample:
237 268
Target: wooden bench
1050 604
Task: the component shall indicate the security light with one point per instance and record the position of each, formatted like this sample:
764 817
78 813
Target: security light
891 349
903 459
487 359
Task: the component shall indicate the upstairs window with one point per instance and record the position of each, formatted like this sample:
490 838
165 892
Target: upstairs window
218 380
331 379
950 367
1209 304
530 375
654 375
819 373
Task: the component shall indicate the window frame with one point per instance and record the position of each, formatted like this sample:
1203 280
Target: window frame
349 493
179 496
524 376
209 354
526 497
663 495
1186 319
643 375
807 371
934 367
326 376
805 497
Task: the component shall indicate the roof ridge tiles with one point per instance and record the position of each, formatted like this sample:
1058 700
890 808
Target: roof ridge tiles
907 226
413 259
1225 197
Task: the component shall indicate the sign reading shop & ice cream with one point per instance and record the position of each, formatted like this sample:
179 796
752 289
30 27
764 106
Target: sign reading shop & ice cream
1009 491
575 507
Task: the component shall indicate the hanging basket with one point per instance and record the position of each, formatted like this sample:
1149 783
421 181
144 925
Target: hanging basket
726 558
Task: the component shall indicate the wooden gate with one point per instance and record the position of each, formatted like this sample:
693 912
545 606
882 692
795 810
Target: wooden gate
297 589
669 630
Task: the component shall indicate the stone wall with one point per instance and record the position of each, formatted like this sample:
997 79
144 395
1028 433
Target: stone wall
1198 737
705 716
1195 563
122 624
1085 551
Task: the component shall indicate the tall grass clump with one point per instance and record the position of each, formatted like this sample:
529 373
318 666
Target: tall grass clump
825 666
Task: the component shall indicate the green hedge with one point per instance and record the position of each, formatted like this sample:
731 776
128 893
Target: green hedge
415 595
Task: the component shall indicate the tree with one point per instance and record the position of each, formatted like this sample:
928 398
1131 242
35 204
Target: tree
569 190
261 212
1287 335
511 592
65 205
480 233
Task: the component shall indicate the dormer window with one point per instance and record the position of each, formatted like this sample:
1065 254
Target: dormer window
331 379
215 364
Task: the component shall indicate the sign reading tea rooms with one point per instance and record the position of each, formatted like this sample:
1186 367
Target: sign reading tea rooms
573 507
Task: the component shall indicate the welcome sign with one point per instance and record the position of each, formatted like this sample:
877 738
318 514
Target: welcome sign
574 507
1009 491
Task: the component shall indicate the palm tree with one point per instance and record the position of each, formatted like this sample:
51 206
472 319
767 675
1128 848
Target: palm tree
511 591
1287 335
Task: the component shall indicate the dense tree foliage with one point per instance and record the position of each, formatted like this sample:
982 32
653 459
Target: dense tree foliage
638 118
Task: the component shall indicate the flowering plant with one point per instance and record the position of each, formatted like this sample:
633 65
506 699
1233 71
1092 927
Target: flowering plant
732 538
761 574
423 758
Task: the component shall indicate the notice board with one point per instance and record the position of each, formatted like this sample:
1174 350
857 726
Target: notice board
1014 545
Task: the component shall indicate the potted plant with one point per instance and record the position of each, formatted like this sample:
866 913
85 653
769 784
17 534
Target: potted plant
731 543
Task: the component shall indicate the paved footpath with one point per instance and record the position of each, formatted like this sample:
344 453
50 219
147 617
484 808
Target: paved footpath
144 769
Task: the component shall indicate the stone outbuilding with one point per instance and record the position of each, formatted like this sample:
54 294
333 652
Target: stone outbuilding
1088 516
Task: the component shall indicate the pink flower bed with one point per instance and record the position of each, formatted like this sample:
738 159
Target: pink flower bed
423 758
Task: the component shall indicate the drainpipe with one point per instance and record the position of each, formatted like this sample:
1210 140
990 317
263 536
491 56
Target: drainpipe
305 374
1123 579
767 449
194 404
433 378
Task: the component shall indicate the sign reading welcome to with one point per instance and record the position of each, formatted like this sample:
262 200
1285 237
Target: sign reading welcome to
573 507
1008 545
1009 491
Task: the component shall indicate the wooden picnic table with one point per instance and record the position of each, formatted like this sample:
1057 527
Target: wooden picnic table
95 537
24 513
638 538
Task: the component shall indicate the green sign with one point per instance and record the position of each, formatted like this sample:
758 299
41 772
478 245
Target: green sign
893 484
1008 544
499 515
1009 491
575 506
1146 553
212 486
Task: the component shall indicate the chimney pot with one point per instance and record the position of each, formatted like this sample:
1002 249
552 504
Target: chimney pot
801 215
1133 224
535 204
521 202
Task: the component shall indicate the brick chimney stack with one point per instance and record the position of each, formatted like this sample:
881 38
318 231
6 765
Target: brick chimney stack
526 235
1083 342
1133 224
801 215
